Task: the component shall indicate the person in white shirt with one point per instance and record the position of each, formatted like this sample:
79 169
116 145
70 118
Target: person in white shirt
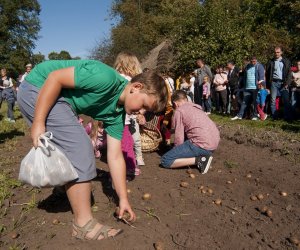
28 69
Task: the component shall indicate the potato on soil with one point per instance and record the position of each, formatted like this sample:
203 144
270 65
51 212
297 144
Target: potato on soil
210 191
189 171
146 196
294 240
192 176
184 184
159 245
14 235
269 213
218 202
260 196
253 198
55 221
264 209
126 215
283 193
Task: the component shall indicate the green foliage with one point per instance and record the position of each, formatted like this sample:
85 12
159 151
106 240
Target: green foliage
18 31
6 185
63 55
216 30
37 58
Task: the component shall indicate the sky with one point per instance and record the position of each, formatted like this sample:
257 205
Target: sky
72 25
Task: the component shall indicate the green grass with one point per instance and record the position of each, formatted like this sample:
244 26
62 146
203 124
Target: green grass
9 137
267 125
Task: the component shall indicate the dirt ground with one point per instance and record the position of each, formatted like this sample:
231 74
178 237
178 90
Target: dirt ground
247 177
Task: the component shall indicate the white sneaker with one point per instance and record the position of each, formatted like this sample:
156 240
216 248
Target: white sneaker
254 119
236 118
208 113
140 162
265 117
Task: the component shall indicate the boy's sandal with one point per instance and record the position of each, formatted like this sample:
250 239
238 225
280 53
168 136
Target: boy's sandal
81 232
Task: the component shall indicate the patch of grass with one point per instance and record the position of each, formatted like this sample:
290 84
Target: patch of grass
267 125
10 130
6 185
231 164
9 137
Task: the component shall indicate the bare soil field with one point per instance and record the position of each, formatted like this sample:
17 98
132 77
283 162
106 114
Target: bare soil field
249 199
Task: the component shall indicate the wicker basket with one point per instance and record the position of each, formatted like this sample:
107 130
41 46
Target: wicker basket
150 137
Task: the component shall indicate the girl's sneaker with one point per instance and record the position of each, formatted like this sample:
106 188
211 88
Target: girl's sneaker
137 171
140 161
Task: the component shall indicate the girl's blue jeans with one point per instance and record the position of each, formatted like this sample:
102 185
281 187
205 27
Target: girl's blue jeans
184 150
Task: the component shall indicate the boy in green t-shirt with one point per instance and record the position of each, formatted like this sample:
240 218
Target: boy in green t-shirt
51 98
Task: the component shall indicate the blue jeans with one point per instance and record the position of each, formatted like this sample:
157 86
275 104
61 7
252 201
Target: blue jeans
10 109
249 97
276 88
206 104
184 150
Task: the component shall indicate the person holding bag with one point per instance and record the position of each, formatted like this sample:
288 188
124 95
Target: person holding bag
50 99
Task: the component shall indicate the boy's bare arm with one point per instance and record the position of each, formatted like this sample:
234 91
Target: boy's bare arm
117 168
63 78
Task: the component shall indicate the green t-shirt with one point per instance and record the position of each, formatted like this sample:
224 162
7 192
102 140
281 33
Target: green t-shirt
96 93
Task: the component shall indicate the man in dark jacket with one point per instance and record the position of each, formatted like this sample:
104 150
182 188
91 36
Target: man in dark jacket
233 85
278 78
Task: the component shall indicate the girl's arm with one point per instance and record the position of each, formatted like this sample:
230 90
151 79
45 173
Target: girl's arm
56 81
117 169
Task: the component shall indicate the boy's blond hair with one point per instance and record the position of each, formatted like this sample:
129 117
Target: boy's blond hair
127 64
153 85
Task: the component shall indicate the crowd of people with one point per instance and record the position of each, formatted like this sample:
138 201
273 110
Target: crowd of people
253 91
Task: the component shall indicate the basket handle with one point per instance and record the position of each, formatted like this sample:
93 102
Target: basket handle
153 128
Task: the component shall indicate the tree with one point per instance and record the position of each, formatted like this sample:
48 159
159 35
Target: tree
63 55
37 58
143 24
18 32
215 30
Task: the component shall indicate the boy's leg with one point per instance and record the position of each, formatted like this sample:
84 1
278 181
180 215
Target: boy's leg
185 154
79 195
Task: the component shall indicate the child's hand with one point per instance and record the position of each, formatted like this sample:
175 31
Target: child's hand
37 129
124 206
141 119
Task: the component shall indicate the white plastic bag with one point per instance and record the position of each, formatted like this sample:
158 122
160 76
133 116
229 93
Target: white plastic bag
46 165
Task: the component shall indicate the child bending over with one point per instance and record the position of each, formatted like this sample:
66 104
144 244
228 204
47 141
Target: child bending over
50 99
202 136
